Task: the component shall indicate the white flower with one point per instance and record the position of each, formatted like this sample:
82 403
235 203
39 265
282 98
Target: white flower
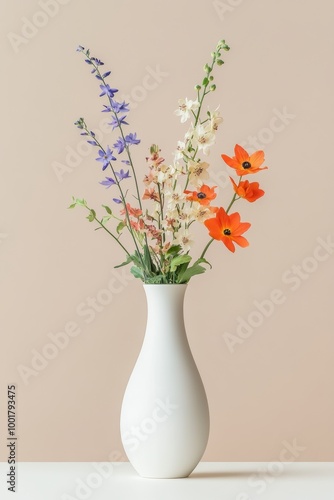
201 212
174 196
180 150
186 106
163 173
204 137
185 214
197 172
215 119
182 237
171 220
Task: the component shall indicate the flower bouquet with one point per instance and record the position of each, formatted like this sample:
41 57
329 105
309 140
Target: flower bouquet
158 220
165 415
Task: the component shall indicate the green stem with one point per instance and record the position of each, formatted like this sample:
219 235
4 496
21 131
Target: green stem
206 248
126 148
122 196
123 137
96 67
109 232
234 198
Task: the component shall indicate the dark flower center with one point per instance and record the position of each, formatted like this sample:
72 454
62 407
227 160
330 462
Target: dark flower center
227 232
201 195
246 165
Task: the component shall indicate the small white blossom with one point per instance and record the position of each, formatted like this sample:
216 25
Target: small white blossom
197 172
205 138
215 119
174 196
201 212
180 150
183 237
186 106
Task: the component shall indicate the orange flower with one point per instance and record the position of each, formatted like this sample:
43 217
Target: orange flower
203 195
151 194
136 212
243 162
248 190
228 229
137 225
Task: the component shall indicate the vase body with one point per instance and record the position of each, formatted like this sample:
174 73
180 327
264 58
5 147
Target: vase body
165 416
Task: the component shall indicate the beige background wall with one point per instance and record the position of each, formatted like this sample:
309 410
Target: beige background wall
274 388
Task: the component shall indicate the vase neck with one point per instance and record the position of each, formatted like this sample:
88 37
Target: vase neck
165 307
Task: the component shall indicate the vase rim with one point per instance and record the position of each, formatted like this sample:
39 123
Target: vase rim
165 284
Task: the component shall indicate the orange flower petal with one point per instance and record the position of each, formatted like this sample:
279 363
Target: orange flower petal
241 154
256 159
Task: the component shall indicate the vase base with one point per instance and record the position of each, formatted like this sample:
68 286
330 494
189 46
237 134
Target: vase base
181 476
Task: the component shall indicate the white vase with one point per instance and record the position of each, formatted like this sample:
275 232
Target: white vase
165 416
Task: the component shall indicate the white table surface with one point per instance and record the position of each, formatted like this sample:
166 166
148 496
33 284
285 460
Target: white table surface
209 481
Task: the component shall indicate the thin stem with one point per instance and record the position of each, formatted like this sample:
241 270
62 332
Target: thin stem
161 201
206 248
234 198
109 232
96 67
126 148
123 136
122 196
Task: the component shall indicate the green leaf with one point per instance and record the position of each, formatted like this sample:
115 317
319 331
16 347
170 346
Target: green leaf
202 261
73 205
120 227
174 249
205 81
91 216
82 202
158 279
126 262
147 258
190 272
105 219
108 209
137 272
177 261
137 258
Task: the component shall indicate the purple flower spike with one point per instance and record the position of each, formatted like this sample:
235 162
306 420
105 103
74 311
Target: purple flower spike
108 182
123 175
107 90
116 200
117 122
132 139
119 145
106 157
120 107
